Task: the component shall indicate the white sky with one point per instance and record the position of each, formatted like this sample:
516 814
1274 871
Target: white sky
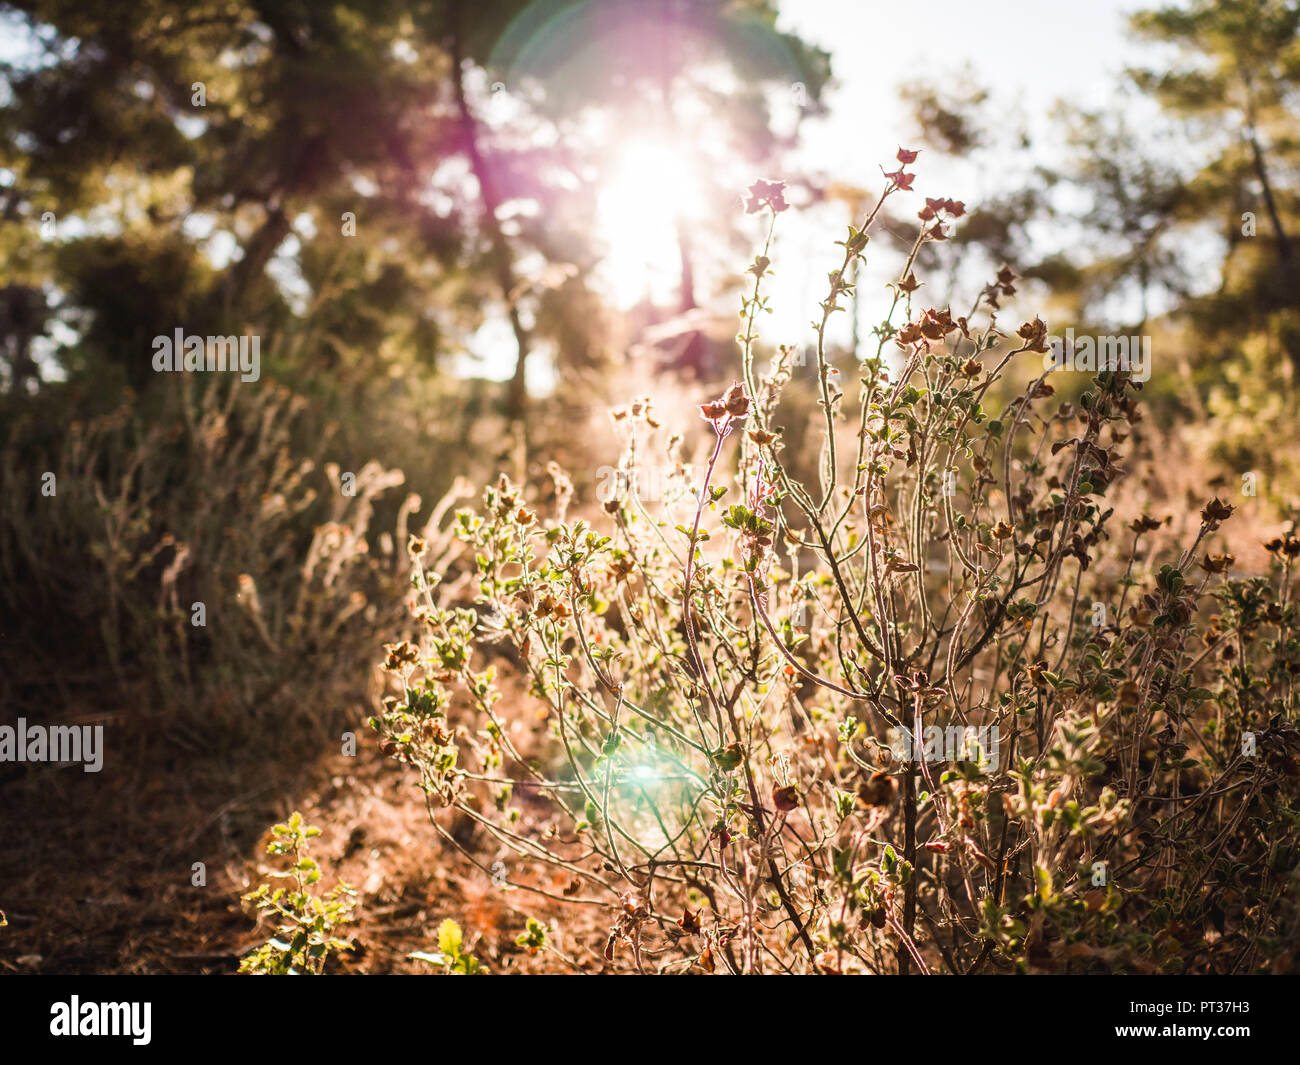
1032 51
1027 53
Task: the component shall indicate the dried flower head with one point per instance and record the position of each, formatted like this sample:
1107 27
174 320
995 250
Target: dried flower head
765 194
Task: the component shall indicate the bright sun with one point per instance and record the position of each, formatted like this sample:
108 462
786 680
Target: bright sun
648 192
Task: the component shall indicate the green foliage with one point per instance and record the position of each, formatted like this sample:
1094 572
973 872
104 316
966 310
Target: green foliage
533 937
306 924
451 956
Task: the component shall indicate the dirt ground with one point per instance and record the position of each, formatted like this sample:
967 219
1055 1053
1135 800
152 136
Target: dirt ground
96 869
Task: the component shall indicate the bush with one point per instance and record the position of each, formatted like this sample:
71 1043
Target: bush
1105 772
307 924
193 559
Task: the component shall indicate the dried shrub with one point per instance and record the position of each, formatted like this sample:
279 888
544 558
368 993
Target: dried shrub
713 755
205 496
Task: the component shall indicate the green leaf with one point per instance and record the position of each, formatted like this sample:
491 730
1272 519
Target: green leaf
433 959
449 937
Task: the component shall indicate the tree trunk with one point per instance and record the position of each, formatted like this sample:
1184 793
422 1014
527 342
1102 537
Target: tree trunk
1286 261
490 199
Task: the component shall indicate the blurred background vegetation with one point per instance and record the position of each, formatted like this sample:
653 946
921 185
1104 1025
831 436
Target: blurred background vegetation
411 205
343 181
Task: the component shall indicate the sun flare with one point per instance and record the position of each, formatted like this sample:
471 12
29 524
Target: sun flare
650 191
